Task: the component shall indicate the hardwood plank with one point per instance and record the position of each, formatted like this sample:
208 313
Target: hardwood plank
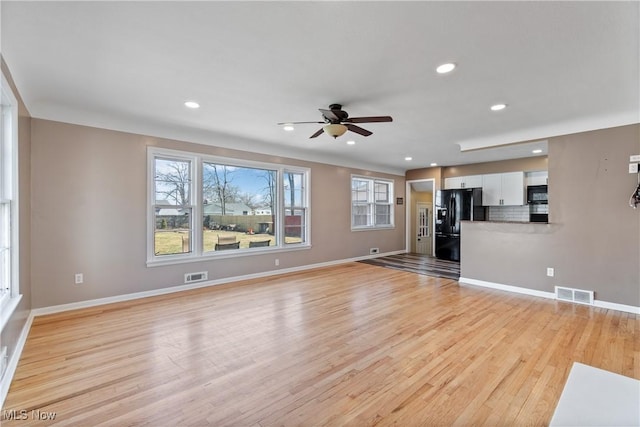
348 345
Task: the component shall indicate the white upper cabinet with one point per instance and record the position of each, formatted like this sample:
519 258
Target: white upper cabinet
492 189
503 189
537 178
513 188
471 181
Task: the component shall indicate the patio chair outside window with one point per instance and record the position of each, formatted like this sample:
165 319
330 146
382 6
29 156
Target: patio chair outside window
225 246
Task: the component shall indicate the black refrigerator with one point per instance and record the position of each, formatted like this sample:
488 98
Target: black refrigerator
453 206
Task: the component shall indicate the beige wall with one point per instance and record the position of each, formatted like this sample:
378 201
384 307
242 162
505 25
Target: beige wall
11 332
593 239
425 173
89 216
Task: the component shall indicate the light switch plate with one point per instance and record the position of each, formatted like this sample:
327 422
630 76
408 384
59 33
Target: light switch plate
635 158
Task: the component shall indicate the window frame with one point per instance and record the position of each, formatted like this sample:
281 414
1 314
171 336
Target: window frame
371 203
304 198
152 205
197 207
9 196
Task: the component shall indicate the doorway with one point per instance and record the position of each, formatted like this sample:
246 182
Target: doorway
420 219
423 231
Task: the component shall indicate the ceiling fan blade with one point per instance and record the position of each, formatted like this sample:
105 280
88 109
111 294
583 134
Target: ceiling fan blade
373 119
297 123
329 114
358 129
317 133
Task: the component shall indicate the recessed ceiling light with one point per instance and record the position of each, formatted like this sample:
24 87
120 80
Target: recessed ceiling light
408 159
498 107
446 68
537 151
191 104
433 164
350 142
288 127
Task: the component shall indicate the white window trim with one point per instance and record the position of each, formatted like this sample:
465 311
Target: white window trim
152 154
374 179
306 172
197 253
10 300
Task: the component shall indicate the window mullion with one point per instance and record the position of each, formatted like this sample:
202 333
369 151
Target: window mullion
280 208
371 197
196 207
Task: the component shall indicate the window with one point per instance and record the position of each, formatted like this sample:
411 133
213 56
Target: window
371 203
9 280
173 213
232 196
203 206
295 210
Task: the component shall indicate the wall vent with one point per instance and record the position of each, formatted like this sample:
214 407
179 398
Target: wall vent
373 251
579 296
195 277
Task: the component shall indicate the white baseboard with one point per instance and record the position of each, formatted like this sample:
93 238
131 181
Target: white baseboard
615 306
7 378
179 288
549 295
508 288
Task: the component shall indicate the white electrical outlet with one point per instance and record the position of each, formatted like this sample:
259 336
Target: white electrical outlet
79 278
277 262
550 272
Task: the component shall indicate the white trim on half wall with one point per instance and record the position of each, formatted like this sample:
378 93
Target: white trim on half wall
543 294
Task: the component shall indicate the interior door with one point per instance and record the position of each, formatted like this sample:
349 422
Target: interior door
423 229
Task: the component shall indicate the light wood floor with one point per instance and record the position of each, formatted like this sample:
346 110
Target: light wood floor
348 345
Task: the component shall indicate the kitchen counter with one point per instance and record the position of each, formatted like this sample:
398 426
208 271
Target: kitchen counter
516 227
514 222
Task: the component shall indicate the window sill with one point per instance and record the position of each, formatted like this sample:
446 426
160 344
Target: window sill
224 255
389 227
7 307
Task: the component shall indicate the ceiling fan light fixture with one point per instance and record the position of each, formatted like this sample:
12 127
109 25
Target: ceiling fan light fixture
335 129
446 68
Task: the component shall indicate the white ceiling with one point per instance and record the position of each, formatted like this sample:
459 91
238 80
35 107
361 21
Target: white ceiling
561 67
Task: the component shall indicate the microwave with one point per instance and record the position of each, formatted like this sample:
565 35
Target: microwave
537 195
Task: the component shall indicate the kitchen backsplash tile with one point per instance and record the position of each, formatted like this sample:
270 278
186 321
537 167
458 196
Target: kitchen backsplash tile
543 209
508 213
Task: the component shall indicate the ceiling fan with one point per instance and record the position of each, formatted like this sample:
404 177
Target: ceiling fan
337 122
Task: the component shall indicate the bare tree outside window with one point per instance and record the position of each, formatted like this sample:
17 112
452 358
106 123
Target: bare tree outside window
217 184
173 219
173 182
